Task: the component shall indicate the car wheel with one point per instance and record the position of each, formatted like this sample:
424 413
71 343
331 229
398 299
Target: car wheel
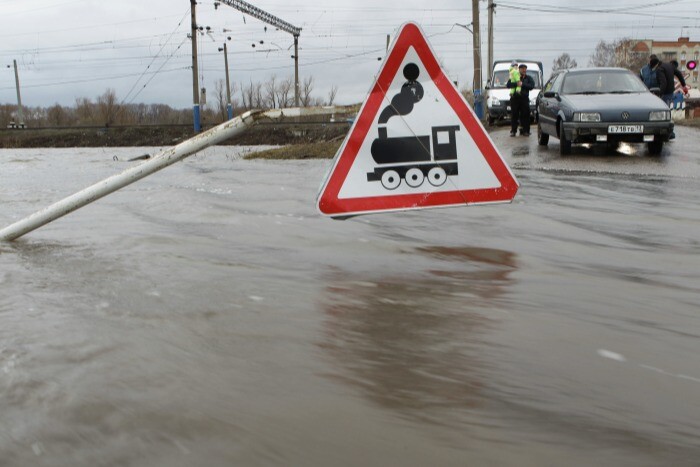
491 120
655 147
542 138
564 144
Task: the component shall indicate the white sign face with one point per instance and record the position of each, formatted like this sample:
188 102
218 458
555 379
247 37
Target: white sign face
430 112
415 143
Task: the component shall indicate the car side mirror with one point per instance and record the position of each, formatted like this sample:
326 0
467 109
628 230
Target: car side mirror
655 91
552 94
488 86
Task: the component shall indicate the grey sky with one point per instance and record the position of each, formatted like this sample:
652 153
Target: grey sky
69 49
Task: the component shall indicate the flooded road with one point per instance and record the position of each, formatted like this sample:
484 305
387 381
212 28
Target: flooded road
207 315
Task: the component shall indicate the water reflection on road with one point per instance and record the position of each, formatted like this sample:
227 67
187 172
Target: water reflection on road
411 341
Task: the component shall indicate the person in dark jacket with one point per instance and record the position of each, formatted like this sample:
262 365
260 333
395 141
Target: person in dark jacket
520 102
665 72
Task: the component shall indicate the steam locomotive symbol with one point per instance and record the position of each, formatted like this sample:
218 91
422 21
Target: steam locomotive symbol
410 158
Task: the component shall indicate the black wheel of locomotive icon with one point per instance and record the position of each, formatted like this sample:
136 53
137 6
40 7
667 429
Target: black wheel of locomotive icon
437 176
414 177
391 179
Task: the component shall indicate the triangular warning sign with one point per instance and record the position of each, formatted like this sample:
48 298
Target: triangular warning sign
415 143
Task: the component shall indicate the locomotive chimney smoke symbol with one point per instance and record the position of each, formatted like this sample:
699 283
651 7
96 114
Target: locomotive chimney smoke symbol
409 157
402 103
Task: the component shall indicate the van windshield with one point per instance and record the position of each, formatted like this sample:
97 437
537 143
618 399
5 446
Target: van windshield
500 78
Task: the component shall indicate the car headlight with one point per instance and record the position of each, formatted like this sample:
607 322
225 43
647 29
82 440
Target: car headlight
659 115
586 117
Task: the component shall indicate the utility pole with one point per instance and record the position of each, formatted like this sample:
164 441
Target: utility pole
478 107
229 106
489 64
20 114
296 70
195 70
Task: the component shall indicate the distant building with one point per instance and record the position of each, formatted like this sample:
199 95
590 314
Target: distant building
683 50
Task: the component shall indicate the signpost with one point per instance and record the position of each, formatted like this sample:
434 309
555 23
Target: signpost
415 143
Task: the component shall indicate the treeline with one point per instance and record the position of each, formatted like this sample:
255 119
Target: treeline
107 110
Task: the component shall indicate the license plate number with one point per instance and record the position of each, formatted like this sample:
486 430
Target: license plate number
626 129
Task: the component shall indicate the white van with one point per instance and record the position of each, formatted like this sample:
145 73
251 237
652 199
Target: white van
498 95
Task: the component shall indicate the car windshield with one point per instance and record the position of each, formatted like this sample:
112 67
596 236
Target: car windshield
602 82
500 78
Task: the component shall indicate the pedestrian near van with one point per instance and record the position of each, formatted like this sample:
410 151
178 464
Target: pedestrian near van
648 73
520 102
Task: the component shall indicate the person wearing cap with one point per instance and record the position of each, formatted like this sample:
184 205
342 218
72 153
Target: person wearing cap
520 102
648 73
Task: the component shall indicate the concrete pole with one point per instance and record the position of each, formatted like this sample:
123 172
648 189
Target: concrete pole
489 64
296 71
195 70
229 105
478 107
20 112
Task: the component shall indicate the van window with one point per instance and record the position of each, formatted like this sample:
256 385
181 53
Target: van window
500 78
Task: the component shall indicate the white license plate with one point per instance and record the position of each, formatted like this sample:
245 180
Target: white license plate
626 129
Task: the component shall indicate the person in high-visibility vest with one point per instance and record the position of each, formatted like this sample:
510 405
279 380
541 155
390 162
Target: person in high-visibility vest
520 102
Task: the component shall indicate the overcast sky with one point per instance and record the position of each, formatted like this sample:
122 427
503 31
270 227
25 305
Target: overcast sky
70 49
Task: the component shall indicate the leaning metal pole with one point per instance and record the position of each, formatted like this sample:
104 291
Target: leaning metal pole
160 161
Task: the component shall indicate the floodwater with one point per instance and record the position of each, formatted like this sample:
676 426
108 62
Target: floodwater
207 315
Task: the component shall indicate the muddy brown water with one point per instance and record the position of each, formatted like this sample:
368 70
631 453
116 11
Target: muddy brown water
208 316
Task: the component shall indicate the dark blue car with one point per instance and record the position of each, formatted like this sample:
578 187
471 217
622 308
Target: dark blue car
601 105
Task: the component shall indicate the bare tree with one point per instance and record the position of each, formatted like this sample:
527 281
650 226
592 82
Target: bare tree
221 100
618 53
306 88
56 116
108 107
564 62
84 110
247 95
331 94
284 90
258 98
271 92
603 55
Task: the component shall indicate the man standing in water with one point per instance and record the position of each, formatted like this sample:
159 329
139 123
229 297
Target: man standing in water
520 102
